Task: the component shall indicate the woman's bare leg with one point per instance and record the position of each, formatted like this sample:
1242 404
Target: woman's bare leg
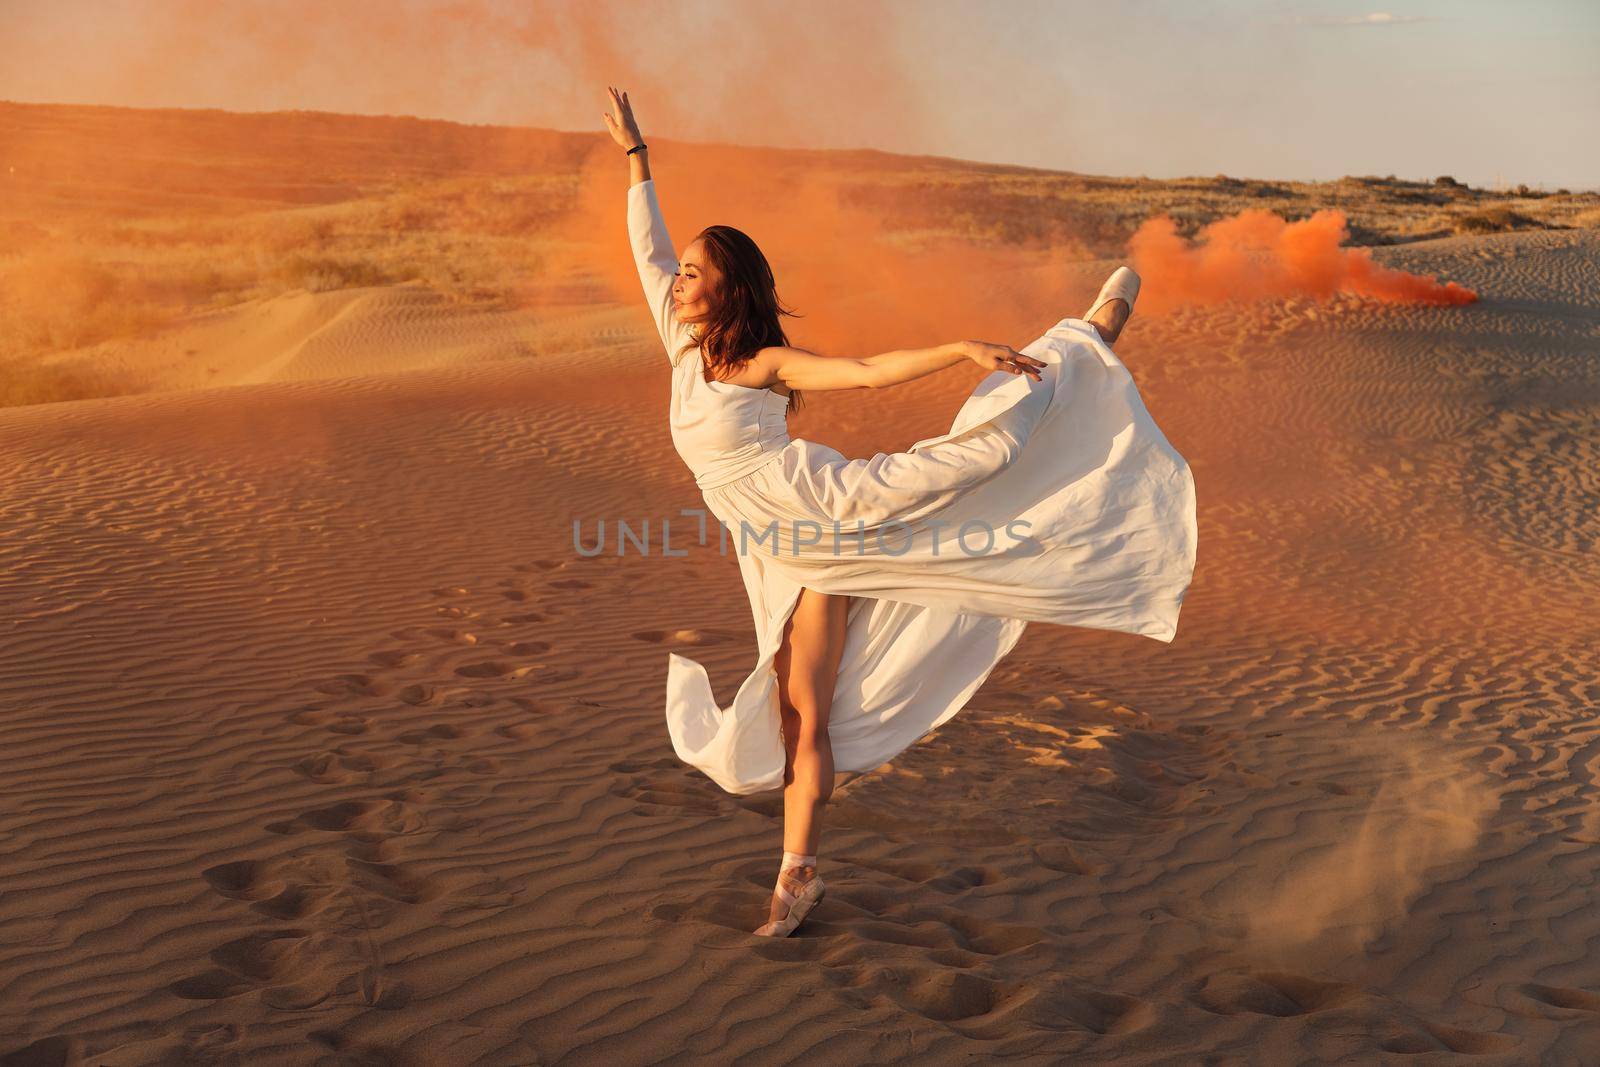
807 665
1110 318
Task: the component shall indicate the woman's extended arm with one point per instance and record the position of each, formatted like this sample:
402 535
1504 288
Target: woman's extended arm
653 253
800 369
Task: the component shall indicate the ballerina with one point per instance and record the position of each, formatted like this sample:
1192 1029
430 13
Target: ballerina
1081 511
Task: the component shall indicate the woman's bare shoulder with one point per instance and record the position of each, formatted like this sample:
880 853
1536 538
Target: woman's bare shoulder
767 362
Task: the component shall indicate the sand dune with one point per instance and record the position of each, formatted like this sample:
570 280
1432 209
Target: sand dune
336 334
324 745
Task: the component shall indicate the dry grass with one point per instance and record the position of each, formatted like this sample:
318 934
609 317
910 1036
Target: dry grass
79 281
216 208
1494 220
48 384
1043 208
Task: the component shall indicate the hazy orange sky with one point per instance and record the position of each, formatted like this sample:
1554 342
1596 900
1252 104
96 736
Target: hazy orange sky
1484 91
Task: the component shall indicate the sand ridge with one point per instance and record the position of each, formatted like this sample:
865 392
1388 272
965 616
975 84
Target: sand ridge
324 745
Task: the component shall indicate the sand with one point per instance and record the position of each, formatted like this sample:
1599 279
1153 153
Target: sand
323 745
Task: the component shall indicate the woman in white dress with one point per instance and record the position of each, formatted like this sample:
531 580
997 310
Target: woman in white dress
885 590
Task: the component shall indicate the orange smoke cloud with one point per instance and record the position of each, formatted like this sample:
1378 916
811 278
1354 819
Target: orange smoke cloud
1256 254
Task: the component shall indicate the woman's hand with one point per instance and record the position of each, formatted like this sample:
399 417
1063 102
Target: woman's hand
619 120
1002 357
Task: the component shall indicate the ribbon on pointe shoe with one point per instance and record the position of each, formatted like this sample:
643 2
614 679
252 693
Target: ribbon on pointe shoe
797 905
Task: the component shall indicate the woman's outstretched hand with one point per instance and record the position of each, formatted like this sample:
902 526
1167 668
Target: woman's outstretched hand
1002 357
619 120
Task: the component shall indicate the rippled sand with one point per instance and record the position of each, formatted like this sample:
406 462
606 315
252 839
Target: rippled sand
323 745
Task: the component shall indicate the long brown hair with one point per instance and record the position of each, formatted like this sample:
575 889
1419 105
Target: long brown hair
745 317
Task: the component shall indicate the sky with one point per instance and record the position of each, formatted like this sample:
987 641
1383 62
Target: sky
1490 93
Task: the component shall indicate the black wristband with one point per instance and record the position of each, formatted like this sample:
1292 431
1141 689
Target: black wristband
638 147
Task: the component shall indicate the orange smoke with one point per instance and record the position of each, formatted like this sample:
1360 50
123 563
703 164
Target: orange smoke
1256 254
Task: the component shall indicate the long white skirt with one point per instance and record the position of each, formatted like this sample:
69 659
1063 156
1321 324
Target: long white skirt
1052 501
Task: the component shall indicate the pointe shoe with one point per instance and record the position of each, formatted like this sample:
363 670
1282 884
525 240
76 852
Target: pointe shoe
799 906
1122 285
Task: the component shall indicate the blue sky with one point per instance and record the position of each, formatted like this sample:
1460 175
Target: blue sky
1486 92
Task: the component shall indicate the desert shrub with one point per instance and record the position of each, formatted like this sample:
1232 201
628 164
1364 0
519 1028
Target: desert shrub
1492 220
403 215
57 299
319 273
23 383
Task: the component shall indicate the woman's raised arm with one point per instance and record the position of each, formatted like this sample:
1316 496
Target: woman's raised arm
625 131
653 253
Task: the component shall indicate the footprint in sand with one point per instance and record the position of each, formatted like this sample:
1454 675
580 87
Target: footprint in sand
1272 993
931 962
1437 1037
438 732
375 816
681 637
887 919
929 959
489 668
1562 998
395 658
350 724
242 879
293 966
205 1043
1062 1004
354 685
459 637
660 787
942 879
338 767
1060 856
264 958
337 722
417 695
271 891
310 715
525 617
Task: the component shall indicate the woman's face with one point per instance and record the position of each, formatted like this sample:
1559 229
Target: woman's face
695 285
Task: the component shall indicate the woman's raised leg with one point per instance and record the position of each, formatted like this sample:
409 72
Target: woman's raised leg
807 665
1110 318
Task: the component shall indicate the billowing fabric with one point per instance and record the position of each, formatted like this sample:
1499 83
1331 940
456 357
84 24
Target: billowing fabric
1052 501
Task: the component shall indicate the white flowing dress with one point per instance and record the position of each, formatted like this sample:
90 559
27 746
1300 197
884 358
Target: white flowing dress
1051 501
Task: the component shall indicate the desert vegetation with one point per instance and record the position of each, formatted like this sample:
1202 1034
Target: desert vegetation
199 210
